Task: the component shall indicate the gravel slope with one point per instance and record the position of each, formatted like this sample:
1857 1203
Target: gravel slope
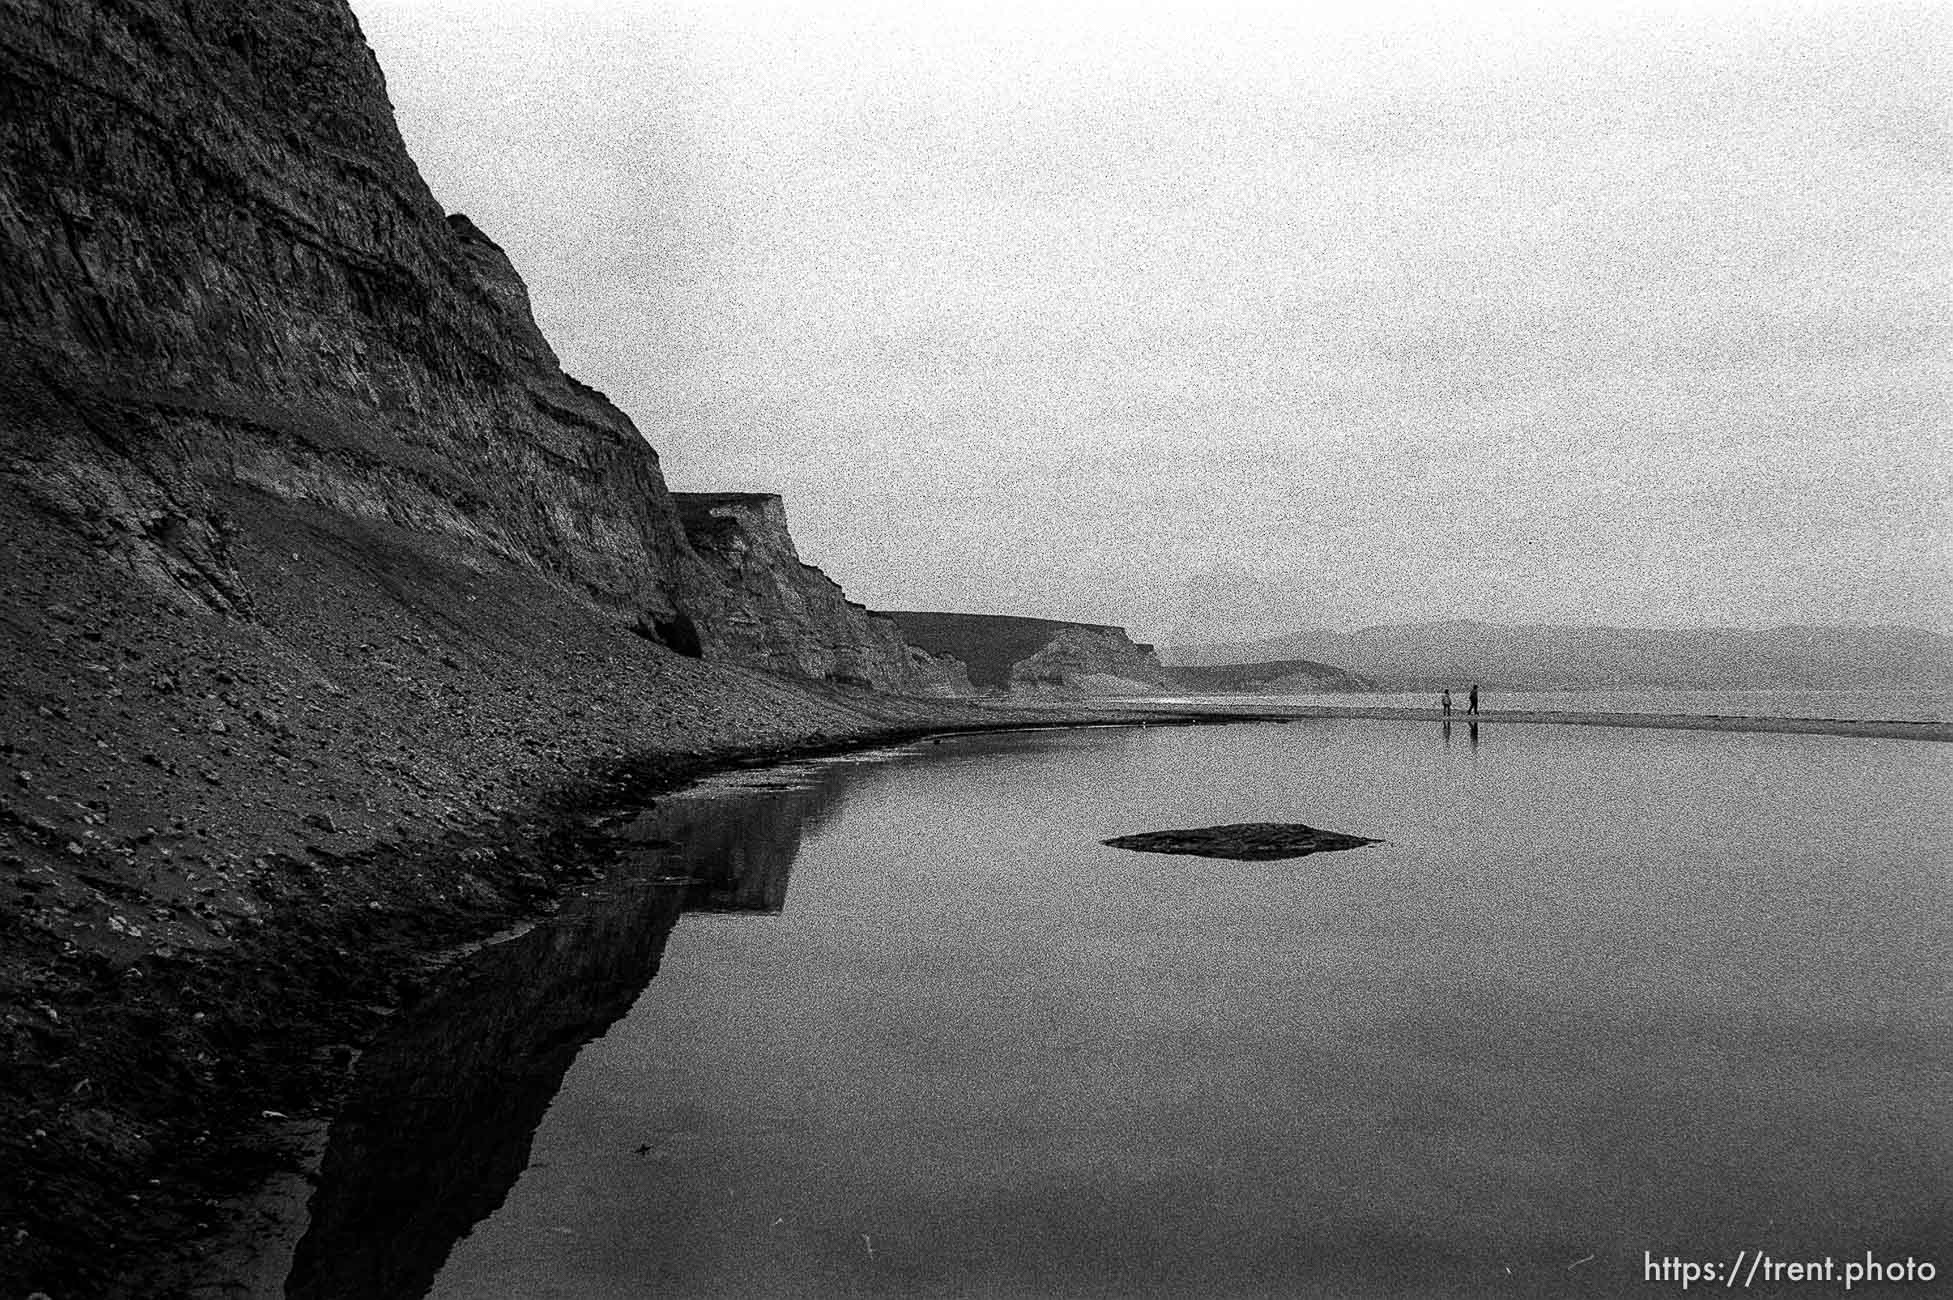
228 844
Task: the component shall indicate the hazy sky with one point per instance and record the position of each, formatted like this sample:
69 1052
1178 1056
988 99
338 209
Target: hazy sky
1205 318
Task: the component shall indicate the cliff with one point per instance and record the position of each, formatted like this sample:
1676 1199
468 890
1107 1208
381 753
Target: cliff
1037 655
218 266
324 595
790 617
219 269
1277 677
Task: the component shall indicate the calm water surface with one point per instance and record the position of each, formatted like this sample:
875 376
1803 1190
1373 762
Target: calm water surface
1881 704
1600 992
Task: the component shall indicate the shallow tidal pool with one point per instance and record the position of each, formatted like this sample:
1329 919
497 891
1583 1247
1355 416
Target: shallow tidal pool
1598 995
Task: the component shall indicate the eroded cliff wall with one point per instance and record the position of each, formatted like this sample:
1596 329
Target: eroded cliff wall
1278 677
317 576
788 616
218 265
1037 655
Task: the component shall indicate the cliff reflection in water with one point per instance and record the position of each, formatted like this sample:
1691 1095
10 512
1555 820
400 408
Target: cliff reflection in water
446 1104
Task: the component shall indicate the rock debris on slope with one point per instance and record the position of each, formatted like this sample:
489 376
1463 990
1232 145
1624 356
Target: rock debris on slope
330 609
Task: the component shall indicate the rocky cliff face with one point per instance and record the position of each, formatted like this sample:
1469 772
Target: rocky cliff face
790 617
218 266
1091 661
217 263
1277 677
316 569
1037 655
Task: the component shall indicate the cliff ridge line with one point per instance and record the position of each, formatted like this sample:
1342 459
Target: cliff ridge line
1012 653
791 617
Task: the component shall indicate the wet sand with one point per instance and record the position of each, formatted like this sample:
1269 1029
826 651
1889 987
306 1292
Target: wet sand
1890 730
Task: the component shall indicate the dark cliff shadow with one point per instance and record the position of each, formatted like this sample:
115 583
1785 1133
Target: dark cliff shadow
446 1104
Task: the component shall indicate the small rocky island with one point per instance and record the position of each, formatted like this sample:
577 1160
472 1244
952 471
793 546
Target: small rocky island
1246 841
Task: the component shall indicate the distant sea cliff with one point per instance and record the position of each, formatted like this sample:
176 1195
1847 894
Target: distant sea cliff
1520 656
1037 655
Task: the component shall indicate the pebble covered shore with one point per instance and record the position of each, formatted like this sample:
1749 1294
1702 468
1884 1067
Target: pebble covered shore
229 843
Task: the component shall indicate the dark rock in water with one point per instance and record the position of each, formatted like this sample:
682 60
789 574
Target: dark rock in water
1247 842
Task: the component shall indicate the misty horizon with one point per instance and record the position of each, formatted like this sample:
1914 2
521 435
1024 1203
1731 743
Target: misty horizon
1278 632
1214 323
1358 629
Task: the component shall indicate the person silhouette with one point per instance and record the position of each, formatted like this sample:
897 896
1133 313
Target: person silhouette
1471 700
1444 701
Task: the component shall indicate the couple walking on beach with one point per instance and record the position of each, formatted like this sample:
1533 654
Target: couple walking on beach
1471 700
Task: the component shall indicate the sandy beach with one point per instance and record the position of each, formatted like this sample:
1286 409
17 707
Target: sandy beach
1262 712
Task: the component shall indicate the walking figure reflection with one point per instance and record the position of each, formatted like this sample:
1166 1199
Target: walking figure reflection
1472 729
